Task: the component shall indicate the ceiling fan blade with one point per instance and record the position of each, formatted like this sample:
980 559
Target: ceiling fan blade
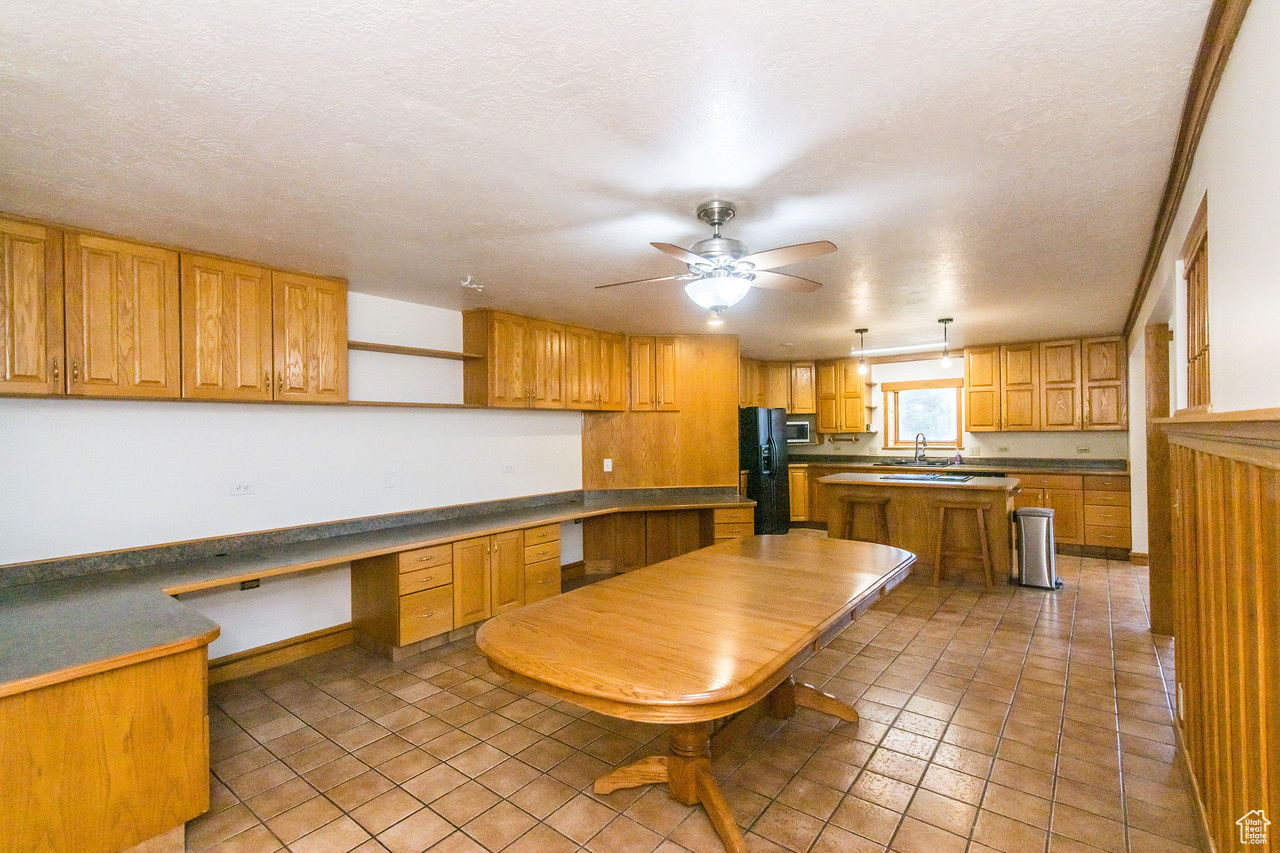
643 281
679 254
771 258
782 281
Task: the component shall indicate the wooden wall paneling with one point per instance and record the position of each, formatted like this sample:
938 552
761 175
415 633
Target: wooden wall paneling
670 533
630 544
981 389
31 313
102 763
226 329
1020 387
1159 521
599 543
1060 407
122 318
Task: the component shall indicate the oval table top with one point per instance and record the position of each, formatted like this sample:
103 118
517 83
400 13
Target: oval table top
697 637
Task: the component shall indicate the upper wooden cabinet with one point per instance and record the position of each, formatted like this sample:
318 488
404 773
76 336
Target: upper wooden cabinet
521 364
981 389
227 330
612 373
122 318
310 346
777 385
803 398
1020 387
655 363
1060 385
1104 365
582 364
840 396
31 309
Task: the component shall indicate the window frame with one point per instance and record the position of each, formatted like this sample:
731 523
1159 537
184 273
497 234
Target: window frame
890 391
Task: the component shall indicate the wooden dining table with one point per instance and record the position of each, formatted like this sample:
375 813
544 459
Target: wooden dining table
693 641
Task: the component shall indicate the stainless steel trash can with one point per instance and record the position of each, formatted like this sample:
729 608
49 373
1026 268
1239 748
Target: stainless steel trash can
1036 565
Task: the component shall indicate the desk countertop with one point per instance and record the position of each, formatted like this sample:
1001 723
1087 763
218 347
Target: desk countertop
63 629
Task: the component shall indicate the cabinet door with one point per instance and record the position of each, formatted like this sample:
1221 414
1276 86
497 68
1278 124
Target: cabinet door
226 330
1060 385
507 568
31 320
803 399
471 582
1105 394
581 366
666 373
1028 497
122 318
852 411
748 379
613 372
644 361
508 384
1068 515
1020 387
981 389
545 359
826 380
777 385
629 544
310 318
798 489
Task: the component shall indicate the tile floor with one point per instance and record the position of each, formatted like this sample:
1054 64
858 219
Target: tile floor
1019 720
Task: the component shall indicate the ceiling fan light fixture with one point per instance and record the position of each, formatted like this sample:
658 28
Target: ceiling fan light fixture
719 290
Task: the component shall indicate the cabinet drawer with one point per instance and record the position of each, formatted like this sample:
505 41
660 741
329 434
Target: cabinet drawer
420 579
1110 516
543 533
734 529
1106 482
425 614
423 558
541 580
729 515
1047 481
1095 498
544 551
1109 537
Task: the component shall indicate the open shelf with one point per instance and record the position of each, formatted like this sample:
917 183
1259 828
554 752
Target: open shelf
365 346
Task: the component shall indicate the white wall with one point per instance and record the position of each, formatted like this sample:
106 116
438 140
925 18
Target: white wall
1238 167
980 445
83 476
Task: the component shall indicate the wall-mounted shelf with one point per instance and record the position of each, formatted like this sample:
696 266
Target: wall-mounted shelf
365 346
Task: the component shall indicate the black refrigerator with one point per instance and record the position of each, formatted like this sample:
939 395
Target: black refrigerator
762 453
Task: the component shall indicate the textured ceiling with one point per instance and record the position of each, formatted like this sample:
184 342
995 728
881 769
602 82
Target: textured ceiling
996 162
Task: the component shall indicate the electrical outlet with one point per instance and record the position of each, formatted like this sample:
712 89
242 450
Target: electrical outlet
241 488
509 468
1082 449
977 451
390 480
1004 448
608 465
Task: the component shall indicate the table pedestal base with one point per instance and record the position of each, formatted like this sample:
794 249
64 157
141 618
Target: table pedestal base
687 771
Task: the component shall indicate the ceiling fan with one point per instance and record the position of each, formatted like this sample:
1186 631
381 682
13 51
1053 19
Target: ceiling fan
720 270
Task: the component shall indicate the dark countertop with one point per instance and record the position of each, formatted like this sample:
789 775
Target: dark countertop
55 630
971 465
1004 484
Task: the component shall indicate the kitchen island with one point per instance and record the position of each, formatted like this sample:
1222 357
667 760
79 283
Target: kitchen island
913 519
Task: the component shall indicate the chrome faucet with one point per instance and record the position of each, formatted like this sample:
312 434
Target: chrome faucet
921 444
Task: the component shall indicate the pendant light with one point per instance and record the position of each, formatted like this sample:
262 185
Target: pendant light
862 348
946 351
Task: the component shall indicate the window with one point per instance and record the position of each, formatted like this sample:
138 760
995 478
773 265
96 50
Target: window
929 406
1195 259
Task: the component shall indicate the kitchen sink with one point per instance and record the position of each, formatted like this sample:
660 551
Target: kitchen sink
911 463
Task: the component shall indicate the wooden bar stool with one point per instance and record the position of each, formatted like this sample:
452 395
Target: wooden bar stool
880 510
980 512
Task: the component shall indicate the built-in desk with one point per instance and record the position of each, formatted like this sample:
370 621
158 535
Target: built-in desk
913 522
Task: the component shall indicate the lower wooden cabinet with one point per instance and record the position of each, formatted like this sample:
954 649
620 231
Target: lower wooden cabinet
734 522
623 541
798 491
1060 493
1106 511
404 598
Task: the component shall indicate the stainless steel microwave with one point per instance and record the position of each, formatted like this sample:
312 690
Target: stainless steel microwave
798 432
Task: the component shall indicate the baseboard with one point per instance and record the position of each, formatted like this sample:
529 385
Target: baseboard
1139 559
253 661
573 571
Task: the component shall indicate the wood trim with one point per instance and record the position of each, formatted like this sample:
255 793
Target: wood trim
1138 558
1199 229
918 384
1220 31
573 571
253 661
1159 509
395 349
45 679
